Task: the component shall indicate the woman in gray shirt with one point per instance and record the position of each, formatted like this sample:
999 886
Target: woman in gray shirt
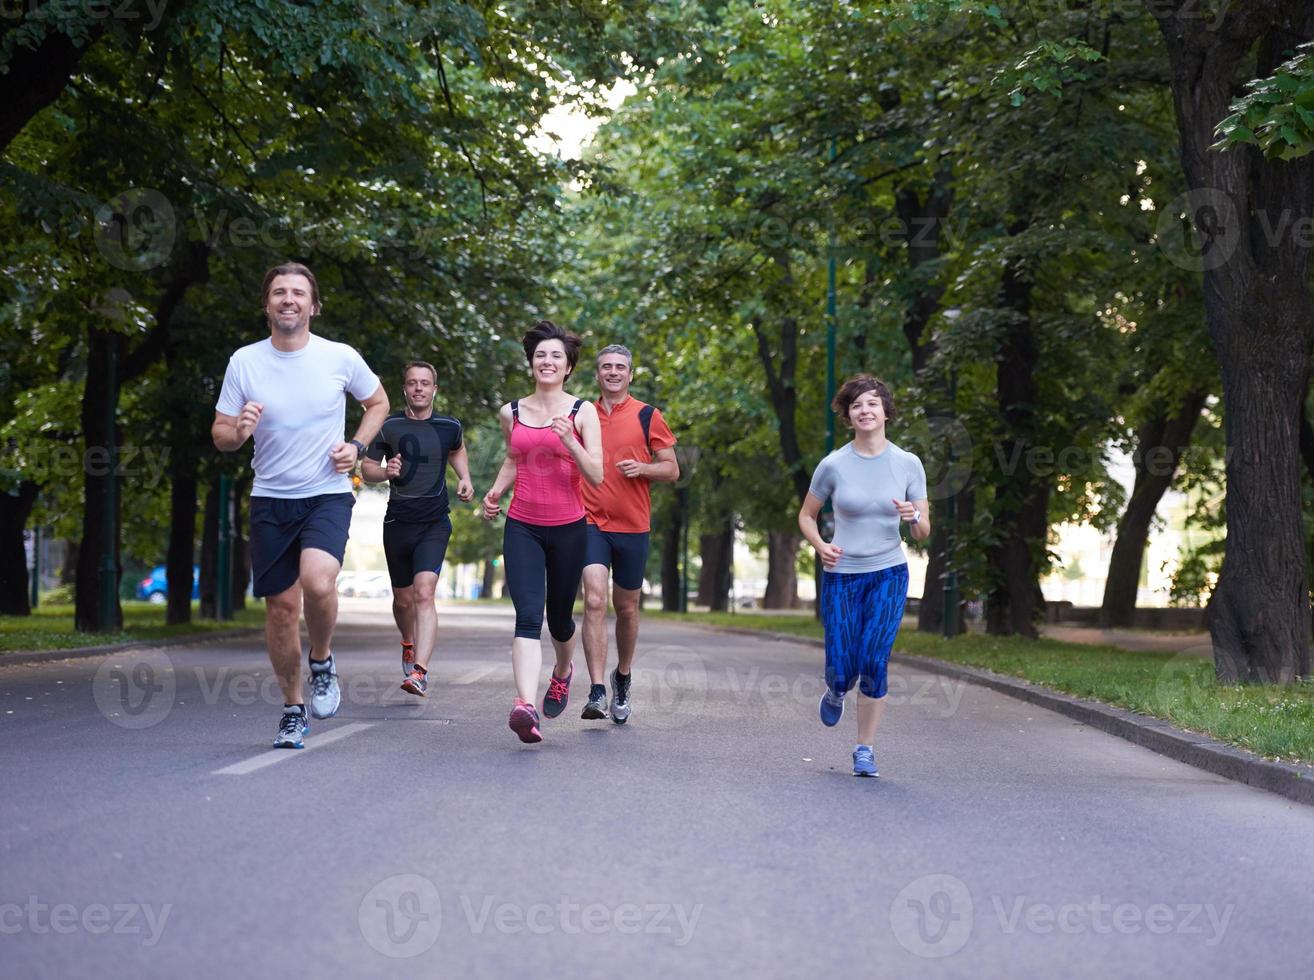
874 487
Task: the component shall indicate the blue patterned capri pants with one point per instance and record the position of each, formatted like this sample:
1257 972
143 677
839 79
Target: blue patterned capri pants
861 614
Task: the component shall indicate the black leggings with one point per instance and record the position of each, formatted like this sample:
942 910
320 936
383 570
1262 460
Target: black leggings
544 564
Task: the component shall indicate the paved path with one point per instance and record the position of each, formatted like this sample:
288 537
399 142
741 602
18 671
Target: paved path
146 829
1158 641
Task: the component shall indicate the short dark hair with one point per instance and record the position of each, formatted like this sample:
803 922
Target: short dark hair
855 388
420 364
547 330
290 269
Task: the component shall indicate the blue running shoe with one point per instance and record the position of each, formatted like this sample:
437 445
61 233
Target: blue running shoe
864 762
831 708
291 728
325 695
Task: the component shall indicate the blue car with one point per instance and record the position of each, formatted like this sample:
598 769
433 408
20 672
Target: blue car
155 587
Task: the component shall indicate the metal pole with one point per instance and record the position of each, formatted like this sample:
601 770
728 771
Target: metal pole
684 549
830 333
826 518
223 593
108 579
951 540
35 583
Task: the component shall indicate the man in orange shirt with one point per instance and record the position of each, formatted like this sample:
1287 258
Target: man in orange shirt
637 448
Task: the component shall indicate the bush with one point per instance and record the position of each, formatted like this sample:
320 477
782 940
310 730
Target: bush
60 595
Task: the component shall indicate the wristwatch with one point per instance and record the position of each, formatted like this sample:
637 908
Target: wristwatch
917 516
360 448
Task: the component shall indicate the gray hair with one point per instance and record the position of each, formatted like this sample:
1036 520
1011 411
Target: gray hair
614 349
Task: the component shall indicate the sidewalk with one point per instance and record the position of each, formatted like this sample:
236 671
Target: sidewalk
1161 641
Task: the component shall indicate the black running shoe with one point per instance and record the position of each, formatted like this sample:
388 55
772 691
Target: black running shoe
558 693
597 706
620 697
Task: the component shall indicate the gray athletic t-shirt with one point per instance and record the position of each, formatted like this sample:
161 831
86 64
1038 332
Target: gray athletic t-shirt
862 491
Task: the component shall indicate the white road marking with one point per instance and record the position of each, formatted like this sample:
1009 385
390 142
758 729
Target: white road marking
278 755
478 674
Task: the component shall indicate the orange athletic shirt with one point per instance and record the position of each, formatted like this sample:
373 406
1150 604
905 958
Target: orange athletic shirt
623 504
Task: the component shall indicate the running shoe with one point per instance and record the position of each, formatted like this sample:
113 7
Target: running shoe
597 706
620 697
292 727
524 721
408 659
831 708
416 682
558 693
864 762
325 694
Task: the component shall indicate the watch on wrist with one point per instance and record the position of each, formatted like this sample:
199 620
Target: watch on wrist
360 448
917 516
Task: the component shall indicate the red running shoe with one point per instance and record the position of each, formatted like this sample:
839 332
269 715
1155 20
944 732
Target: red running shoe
524 721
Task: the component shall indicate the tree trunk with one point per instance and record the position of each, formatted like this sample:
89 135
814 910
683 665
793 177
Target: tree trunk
779 358
1260 316
35 77
209 573
182 540
930 610
922 218
101 439
782 570
1014 602
1160 443
15 588
672 531
486 586
68 575
241 553
714 580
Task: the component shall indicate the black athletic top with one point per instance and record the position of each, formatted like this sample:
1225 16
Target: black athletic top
419 495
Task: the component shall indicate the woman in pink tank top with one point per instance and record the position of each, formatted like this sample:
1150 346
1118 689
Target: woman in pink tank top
552 440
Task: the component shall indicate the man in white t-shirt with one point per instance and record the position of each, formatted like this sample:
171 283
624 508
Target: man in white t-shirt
289 392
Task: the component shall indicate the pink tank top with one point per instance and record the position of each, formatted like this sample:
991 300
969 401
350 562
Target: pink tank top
547 491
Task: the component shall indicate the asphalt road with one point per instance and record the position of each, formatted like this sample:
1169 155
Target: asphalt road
147 830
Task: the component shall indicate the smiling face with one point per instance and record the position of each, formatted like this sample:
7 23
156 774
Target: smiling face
420 389
289 304
550 365
867 413
614 375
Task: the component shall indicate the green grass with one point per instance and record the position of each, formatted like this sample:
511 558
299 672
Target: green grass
1275 722
51 627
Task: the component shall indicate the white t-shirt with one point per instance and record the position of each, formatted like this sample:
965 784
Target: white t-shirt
305 411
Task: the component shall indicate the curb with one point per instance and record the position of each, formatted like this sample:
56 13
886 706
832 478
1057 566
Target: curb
40 656
1296 783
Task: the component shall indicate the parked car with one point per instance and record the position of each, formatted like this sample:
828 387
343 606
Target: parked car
365 585
154 588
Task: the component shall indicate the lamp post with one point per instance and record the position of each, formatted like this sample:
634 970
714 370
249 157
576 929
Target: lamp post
826 520
223 591
108 575
950 618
